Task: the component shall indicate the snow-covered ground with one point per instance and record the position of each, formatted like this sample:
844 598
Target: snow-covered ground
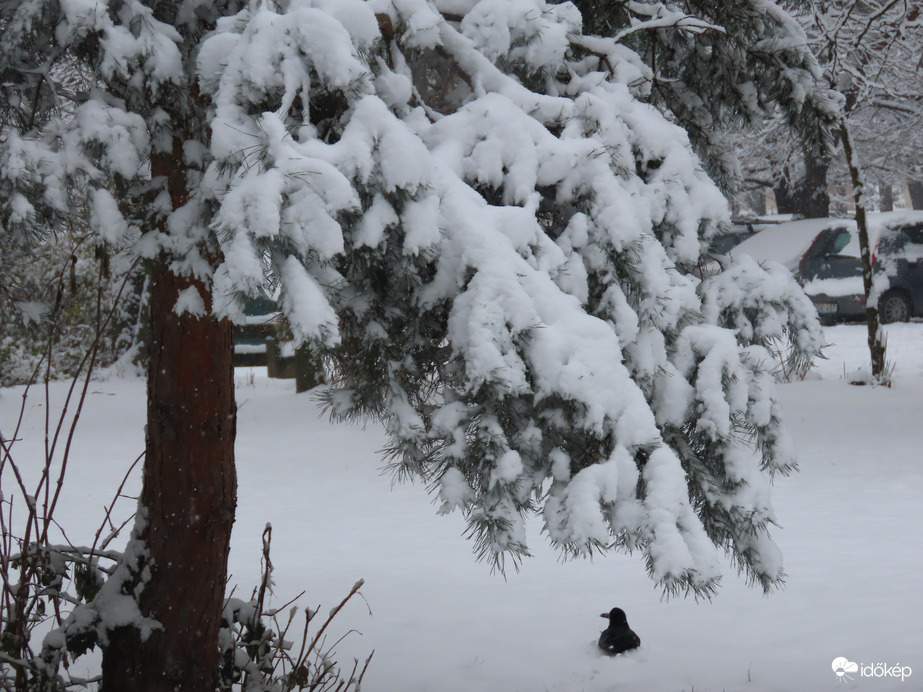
852 537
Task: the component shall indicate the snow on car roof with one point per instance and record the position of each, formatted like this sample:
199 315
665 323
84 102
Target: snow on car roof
787 242
877 222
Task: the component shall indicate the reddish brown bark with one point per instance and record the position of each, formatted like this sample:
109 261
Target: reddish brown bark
189 492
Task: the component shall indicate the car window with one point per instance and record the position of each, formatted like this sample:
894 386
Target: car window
829 242
840 240
914 234
722 244
913 242
892 241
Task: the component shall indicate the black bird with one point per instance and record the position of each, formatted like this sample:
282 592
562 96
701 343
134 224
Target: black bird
618 637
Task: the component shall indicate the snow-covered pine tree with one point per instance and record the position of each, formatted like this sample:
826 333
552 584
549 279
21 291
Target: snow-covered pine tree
469 207
737 63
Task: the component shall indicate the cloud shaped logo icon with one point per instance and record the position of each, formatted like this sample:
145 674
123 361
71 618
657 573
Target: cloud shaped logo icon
842 666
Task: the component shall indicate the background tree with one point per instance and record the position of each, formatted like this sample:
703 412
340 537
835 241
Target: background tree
869 51
473 213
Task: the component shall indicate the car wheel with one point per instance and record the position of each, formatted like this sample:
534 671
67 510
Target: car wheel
894 307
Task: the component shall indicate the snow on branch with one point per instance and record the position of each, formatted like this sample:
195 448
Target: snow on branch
659 16
491 240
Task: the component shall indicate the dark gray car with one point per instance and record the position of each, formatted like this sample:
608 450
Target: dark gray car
831 269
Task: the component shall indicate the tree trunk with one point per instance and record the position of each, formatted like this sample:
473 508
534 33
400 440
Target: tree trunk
875 341
915 187
756 199
811 196
785 199
808 198
885 195
309 369
189 490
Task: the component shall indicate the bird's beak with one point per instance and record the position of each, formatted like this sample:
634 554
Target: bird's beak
604 615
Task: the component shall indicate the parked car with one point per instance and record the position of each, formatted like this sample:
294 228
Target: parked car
823 254
743 228
775 238
785 243
831 268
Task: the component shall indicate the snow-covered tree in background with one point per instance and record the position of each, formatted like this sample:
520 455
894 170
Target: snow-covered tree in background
737 63
470 208
870 52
